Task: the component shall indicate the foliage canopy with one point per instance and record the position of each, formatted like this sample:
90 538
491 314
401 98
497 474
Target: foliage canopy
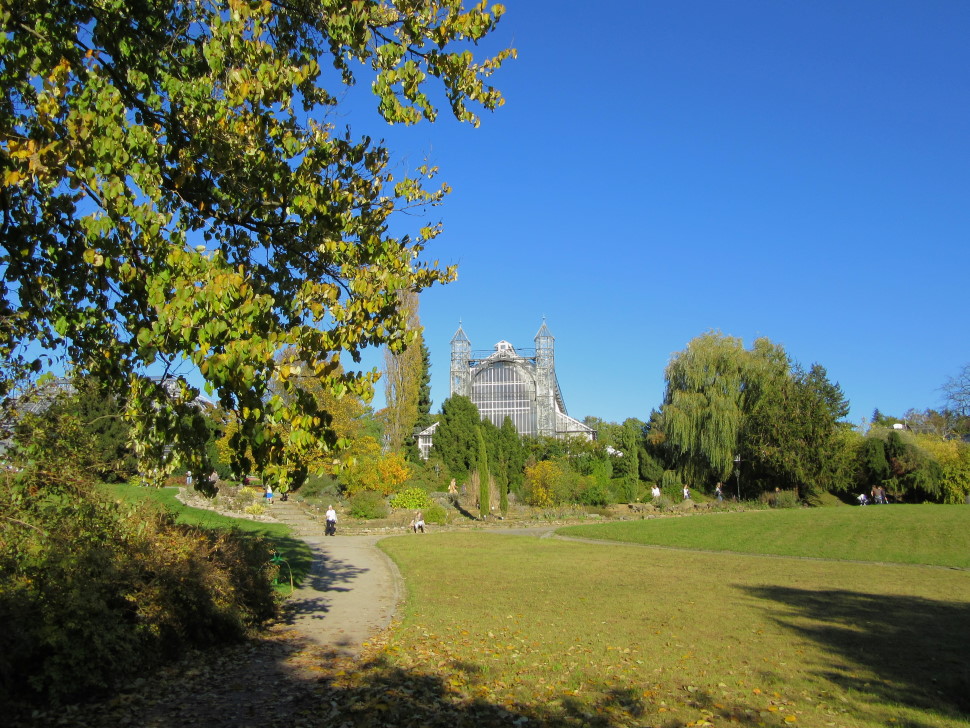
171 190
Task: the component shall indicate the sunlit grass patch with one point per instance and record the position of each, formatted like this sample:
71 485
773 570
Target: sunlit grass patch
905 534
617 635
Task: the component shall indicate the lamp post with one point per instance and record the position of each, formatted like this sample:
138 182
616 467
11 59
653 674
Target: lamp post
737 473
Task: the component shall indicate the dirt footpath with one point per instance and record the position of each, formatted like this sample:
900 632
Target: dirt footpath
351 593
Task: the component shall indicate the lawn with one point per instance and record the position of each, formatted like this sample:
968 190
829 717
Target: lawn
295 552
904 534
573 633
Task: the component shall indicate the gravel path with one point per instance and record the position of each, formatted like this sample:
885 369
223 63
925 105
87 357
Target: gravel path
351 593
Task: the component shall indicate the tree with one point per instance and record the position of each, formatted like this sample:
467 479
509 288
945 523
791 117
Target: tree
943 423
954 459
957 392
402 383
896 460
794 436
99 417
347 416
484 491
511 455
455 440
425 418
704 405
784 422
173 194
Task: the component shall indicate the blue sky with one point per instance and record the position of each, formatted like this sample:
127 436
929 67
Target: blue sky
799 171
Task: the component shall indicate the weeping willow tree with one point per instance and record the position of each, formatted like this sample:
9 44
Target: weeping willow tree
703 406
712 386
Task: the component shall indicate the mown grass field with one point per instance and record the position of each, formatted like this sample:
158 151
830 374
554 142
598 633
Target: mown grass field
904 534
573 633
293 551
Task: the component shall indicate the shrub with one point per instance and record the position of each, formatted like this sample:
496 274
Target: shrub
663 503
318 488
539 483
92 591
595 494
625 490
429 474
435 513
671 485
781 499
380 473
411 498
368 505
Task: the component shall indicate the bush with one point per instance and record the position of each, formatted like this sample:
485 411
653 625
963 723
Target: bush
671 485
318 488
368 505
92 591
435 513
596 494
663 503
781 499
625 490
411 498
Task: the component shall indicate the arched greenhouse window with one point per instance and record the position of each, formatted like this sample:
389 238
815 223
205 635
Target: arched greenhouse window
505 390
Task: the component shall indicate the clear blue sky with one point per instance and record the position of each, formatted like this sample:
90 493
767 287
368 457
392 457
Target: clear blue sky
799 171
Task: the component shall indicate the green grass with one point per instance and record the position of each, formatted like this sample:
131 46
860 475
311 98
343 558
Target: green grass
295 552
905 534
573 633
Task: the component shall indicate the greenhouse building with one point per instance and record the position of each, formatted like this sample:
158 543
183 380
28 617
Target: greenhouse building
507 382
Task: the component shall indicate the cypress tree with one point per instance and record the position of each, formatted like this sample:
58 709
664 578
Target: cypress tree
514 454
484 493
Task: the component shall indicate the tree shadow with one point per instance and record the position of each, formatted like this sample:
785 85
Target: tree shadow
284 680
327 575
918 649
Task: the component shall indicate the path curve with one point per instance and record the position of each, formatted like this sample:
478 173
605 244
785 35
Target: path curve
351 593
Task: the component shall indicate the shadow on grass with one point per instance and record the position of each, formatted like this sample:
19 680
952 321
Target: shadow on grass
907 650
283 680
296 554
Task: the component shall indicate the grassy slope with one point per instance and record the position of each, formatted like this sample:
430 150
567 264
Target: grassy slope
295 552
612 634
905 534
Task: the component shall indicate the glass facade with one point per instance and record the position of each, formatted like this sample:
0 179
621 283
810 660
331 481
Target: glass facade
502 389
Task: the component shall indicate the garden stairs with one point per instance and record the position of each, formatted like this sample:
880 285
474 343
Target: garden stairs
304 522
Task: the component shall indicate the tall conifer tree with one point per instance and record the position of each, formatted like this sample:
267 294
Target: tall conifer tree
484 492
455 439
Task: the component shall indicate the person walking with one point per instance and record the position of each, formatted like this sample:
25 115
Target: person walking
718 493
331 529
269 494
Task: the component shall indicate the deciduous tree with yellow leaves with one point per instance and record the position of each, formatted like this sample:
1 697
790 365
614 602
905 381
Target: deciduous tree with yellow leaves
172 192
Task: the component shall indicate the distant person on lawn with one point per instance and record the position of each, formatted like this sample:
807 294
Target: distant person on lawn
418 523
